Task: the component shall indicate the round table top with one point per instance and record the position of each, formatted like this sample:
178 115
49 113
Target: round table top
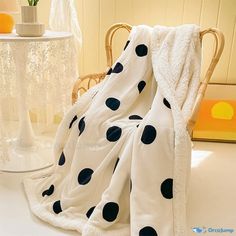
48 35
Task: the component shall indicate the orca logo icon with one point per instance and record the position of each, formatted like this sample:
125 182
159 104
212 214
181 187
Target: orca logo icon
199 230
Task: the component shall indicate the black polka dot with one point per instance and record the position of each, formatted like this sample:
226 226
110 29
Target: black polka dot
113 133
81 125
48 191
135 117
167 188
167 104
141 50
73 120
126 45
147 231
141 86
118 68
62 159
137 125
57 207
149 134
113 103
130 186
85 176
109 71
117 161
90 211
110 211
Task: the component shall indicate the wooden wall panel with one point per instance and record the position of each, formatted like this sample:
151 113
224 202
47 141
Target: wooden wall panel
96 16
225 22
189 16
231 78
80 7
157 12
124 12
173 12
141 12
91 35
107 18
209 15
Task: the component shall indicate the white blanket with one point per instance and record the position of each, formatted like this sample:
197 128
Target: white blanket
122 153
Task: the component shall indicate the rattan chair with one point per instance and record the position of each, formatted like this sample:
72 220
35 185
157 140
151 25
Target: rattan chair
85 82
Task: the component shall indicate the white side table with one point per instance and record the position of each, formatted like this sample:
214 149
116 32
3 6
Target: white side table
26 152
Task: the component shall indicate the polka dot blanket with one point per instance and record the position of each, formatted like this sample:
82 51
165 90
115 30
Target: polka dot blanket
122 152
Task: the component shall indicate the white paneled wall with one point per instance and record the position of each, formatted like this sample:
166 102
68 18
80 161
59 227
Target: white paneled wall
96 16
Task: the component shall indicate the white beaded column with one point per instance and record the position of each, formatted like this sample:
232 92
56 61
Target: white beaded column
25 136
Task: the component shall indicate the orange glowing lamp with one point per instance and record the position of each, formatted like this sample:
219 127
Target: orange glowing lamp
7 7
